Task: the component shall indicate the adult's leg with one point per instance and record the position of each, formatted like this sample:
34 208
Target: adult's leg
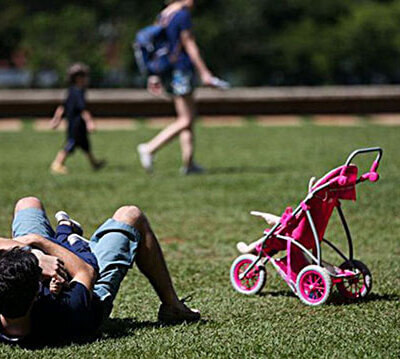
30 218
149 258
184 106
28 202
187 135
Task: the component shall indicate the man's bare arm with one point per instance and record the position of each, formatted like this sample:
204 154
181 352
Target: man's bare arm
7 243
78 269
51 266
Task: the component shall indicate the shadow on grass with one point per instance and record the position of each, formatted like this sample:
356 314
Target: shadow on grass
243 169
280 293
113 328
337 299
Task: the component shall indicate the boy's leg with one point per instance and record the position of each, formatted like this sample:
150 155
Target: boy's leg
84 143
57 165
95 163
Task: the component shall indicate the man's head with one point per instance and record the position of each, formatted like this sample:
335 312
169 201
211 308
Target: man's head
19 282
78 74
188 3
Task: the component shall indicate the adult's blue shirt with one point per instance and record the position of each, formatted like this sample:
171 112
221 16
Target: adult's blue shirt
180 21
73 314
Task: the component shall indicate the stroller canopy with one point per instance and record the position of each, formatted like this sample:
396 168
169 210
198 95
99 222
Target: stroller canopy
342 183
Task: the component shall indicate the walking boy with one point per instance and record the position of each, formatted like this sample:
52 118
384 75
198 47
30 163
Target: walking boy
80 120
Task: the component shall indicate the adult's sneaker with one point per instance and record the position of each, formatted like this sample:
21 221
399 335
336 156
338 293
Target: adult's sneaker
193 169
172 315
145 157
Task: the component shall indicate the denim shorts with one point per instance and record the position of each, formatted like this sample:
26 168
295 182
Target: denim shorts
114 244
179 82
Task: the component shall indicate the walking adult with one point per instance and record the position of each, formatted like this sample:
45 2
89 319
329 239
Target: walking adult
179 82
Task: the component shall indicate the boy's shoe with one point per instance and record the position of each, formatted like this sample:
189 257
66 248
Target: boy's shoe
99 165
145 157
73 238
58 169
172 315
63 216
193 169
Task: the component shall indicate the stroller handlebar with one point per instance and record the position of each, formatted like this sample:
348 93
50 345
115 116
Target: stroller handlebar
372 175
365 150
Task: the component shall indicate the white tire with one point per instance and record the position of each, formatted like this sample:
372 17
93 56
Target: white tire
313 285
254 281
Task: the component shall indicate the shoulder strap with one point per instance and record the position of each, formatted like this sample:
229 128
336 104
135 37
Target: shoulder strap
164 20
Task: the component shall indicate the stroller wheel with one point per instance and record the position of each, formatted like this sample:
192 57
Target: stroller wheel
254 281
313 285
356 287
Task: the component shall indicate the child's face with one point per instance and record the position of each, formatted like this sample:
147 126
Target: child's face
82 81
55 286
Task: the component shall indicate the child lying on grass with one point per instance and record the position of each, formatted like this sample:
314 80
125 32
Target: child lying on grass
69 235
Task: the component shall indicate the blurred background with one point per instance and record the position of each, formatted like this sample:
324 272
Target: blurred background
249 43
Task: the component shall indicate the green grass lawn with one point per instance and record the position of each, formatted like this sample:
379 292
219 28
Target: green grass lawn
199 219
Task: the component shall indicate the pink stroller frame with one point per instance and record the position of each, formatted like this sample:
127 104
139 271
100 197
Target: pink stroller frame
300 232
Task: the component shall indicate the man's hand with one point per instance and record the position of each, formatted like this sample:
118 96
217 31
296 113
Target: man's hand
52 267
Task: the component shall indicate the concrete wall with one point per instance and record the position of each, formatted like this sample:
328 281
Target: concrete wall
238 101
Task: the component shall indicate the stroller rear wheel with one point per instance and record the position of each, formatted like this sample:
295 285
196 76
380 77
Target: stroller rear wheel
313 285
254 281
358 286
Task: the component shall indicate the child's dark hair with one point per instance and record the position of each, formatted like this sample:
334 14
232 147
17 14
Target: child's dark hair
77 70
19 281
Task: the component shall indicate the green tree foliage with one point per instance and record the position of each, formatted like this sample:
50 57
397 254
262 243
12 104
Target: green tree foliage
51 47
252 42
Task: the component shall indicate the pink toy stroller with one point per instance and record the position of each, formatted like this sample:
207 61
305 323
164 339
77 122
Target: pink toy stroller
300 232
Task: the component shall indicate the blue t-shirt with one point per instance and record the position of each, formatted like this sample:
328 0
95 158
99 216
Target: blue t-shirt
73 314
180 21
73 107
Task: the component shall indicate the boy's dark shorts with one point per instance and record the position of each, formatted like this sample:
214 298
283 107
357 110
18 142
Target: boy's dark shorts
80 140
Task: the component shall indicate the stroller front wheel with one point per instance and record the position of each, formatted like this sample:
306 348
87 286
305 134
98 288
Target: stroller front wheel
254 281
313 285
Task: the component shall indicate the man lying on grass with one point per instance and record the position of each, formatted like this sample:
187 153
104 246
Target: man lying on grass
29 313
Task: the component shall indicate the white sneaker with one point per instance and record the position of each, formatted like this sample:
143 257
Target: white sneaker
192 169
63 216
73 238
146 158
